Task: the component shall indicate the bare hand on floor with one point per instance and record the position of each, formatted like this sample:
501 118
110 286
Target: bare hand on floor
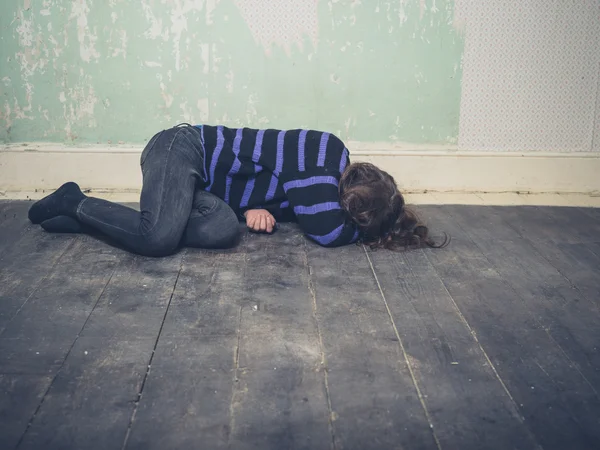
260 220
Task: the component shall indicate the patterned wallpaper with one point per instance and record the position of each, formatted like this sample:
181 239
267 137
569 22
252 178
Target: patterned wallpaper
531 75
596 143
285 22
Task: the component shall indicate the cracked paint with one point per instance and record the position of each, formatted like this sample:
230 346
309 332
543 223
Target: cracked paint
86 35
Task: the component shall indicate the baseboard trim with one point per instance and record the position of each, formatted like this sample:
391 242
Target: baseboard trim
41 167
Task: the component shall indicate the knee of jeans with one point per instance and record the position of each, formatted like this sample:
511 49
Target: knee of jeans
229 235
157 245
226 235
223 231
229 232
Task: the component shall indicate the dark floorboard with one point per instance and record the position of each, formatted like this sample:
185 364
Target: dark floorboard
13 222
374 401
189 388
449 365
21 273
491 343
20 396
560 308
91 400
25 261
279 399
559 404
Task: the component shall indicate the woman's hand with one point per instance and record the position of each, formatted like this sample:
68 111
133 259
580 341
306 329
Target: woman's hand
260 220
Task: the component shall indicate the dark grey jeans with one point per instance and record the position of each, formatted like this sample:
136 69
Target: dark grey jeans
174 209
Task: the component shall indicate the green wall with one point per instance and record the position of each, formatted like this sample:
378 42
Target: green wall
116 71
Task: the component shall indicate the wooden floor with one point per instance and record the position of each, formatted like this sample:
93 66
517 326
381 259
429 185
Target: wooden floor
492 343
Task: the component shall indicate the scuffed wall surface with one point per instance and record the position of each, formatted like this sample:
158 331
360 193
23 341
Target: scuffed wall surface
116 71
530 76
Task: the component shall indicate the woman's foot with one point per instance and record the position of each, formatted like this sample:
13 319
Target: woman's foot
63 202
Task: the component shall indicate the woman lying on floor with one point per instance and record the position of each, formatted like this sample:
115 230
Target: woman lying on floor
198 182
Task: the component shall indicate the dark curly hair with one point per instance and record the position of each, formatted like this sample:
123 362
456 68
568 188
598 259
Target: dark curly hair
372 200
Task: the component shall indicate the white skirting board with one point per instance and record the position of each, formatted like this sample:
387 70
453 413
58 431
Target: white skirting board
43 167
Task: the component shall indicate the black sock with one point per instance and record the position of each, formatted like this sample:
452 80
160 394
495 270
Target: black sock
63 202
62 224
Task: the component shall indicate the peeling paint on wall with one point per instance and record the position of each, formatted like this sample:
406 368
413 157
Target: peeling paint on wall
86 33
116 71
79 105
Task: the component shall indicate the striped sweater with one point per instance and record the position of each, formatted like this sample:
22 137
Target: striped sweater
293 174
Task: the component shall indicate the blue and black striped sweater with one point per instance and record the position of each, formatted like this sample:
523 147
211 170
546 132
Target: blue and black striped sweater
294 174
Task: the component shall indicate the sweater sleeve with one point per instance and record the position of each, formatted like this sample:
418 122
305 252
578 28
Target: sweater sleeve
314 198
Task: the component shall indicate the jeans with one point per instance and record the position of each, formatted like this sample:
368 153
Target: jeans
174 208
